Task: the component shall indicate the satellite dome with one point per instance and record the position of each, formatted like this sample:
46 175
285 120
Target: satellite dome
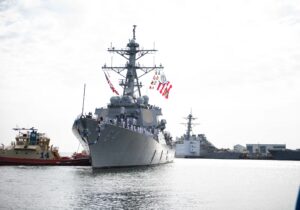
146 100
114 100
127 99
118 99
140 100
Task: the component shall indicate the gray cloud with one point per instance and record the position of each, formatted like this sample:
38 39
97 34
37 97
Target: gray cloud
289 13
7 4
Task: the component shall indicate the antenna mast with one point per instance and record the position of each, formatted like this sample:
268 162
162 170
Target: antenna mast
83 100
189 124
131 53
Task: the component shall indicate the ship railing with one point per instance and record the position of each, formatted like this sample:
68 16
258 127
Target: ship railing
130 124
89 115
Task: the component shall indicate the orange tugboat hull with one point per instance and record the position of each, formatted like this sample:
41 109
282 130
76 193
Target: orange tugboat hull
64 161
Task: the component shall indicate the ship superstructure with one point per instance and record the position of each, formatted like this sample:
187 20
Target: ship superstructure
128 132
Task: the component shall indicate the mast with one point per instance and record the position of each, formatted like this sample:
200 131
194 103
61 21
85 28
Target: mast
190 118
83 100
131 53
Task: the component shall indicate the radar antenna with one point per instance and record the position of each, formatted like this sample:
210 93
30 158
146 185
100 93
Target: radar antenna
189 124
134 26
131 53
83 99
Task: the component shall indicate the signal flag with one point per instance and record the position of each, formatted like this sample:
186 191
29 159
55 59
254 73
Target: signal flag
111 85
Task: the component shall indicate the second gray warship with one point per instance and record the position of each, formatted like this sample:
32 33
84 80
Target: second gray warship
197 146
128 132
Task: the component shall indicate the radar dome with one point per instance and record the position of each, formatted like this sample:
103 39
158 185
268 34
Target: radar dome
146 100
140 100
114 100
127 99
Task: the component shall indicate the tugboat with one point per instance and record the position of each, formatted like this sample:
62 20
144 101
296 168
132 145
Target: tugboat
197 146
32 148
128 132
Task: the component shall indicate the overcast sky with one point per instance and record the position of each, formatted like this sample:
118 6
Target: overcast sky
236 64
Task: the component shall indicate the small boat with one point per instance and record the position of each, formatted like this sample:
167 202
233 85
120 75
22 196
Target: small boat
32 148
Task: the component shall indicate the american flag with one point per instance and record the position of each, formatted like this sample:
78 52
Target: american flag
164 89
111 85
163 86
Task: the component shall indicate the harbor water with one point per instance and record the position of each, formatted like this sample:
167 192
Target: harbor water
184 184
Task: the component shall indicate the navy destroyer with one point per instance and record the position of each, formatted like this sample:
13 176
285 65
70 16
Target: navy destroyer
129 131
197 146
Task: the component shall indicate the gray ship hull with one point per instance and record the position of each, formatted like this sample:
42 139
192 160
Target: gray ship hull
285 154
120 147
218 155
